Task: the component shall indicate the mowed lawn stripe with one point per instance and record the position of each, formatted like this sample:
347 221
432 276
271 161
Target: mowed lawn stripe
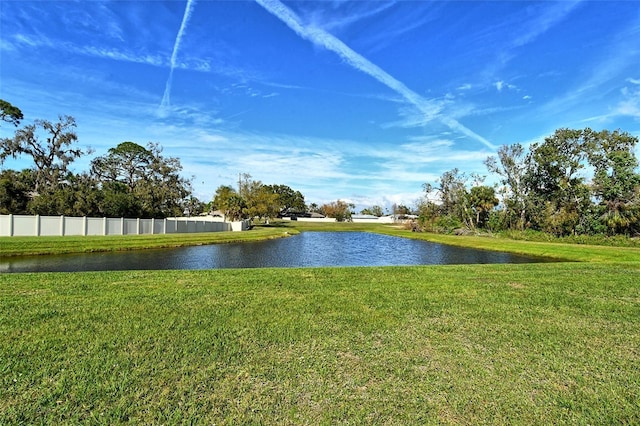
473 344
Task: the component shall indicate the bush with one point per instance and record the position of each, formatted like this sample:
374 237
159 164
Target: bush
447 224
599 239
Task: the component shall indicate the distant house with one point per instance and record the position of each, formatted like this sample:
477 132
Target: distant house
308 217
296 215
368 218
404 217
218 215
364 218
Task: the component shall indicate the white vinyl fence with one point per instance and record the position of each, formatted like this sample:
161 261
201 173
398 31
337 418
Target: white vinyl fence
22 225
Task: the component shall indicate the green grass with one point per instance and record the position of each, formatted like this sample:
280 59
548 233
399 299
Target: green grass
603 240
519 344
546 343
556 250
329 226
24 246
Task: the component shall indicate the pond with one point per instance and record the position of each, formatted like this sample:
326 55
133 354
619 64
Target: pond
308 249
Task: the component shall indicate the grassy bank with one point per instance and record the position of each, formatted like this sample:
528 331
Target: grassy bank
564 251
24 246
519 344
553 343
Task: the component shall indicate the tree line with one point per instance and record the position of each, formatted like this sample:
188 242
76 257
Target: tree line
255 200
574 182
129 181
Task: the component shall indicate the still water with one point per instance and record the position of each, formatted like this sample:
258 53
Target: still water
308 249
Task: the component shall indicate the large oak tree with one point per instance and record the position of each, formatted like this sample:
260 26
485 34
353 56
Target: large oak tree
153 182
51 146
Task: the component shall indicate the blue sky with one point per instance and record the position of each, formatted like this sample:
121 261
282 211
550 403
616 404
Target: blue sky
362 101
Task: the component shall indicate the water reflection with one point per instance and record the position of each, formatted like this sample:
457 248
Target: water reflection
309 249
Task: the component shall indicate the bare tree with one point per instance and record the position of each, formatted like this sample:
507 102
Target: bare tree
52 153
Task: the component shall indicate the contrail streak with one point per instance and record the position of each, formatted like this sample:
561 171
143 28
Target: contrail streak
322 38
174 55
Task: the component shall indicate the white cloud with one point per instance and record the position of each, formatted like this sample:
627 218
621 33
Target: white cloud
20 41
118 55
25 39
440 151
396 25
549 16
500 85
339 19
630 105
322 169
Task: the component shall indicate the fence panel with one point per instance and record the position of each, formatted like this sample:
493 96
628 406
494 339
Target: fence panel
130 227
6 225
50 225
146 226
159 226
96 226
74 226
114 226
23 225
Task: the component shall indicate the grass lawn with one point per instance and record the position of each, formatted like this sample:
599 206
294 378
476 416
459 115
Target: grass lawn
553 343
557 250
26 246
